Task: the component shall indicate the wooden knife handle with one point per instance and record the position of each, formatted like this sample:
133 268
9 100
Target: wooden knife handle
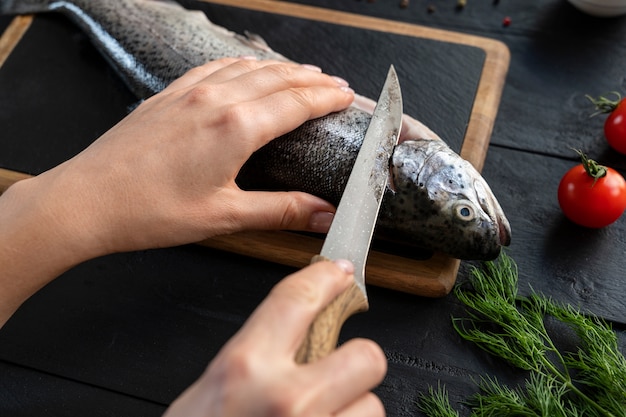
323 333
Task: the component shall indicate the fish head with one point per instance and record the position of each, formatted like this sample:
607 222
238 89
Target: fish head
445 203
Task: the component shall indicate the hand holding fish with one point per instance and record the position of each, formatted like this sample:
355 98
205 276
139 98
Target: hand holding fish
255 375
171 165
165 175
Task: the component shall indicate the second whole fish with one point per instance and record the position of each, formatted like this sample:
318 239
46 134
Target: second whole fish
435 200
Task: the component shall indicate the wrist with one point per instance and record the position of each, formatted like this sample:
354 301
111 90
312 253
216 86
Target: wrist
38 240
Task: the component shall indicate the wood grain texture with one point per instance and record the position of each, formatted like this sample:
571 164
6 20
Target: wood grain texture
323 334
433 278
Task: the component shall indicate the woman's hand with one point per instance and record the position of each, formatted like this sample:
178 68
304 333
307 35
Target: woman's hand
255 374
165 175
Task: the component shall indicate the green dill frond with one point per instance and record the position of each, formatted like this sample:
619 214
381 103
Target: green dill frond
437 403
518 350
589 381
600 366
545 394
496 324
496 279
499 400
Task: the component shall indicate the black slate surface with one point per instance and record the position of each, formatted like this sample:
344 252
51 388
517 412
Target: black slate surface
146 324
27 392
127 332
4 22
57 96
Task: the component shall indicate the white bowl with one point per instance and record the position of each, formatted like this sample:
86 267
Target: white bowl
601 8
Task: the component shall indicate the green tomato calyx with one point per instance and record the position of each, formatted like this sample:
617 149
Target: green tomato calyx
592 168
605 105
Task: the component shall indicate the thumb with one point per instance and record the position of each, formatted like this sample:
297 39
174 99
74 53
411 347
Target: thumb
289 210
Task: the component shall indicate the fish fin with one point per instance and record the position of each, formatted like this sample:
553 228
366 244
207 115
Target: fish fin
23 7
254 41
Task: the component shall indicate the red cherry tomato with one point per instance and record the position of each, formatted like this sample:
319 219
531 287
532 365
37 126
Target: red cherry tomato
615 124
615 127
592 202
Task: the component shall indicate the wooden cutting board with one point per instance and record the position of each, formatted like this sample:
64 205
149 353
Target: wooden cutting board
438 69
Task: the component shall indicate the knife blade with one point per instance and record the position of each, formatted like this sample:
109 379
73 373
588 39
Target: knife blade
351 230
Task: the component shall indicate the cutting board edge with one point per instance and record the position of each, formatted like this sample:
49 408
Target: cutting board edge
431 278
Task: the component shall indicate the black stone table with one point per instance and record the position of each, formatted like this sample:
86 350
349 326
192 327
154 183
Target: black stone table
125 334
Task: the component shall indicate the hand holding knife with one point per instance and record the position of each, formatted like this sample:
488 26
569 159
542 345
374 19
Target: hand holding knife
351 231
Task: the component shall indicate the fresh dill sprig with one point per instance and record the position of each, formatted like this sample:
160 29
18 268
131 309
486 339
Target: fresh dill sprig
437 403
590 381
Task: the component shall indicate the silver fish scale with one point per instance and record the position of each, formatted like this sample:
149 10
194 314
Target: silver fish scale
152 42
316 158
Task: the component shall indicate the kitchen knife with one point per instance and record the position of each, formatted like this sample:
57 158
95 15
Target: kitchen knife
351 231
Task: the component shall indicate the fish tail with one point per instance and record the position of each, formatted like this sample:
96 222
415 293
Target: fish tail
24 6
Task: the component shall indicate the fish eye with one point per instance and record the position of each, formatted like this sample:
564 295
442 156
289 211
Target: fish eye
464 212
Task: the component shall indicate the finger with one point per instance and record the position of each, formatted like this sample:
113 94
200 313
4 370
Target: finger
279 325
271 77
281 113
229 69
284 211
288 109
369 405
200 73
344 376
245 66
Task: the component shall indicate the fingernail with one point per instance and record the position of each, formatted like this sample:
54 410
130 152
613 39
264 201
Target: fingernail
340 81
248 57
320 221
346 89
312 67
345 265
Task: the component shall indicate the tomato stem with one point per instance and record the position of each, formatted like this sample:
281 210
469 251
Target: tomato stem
603 104
592 168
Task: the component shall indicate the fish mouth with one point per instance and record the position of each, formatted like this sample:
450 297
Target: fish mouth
492 208
500 236
501 222
504 231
